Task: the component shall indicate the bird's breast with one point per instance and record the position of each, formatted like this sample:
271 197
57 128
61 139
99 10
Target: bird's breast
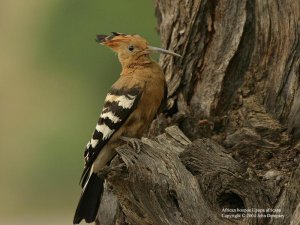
153 93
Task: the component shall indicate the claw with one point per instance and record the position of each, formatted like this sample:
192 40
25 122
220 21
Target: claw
134 142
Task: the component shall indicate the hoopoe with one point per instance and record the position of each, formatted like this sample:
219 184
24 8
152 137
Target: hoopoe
129 107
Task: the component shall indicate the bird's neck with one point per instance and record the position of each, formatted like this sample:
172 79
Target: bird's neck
131 64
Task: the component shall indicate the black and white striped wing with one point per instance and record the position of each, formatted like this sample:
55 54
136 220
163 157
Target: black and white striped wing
118 105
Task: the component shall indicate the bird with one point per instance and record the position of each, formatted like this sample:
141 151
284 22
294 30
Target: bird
130 105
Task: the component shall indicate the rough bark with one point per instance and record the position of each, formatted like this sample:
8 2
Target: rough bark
235 95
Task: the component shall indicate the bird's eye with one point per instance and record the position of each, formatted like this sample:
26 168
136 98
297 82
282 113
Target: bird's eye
131 48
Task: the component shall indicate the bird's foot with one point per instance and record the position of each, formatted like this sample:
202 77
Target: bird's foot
133 142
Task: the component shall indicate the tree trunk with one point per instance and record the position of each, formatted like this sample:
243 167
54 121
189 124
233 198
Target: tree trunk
231 149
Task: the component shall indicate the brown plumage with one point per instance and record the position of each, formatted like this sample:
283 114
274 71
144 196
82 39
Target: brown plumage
129 108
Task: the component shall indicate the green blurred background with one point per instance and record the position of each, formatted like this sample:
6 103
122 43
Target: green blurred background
53 81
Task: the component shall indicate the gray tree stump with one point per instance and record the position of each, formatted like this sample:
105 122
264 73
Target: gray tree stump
230 138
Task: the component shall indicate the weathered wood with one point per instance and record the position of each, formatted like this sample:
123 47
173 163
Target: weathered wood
289 201
235 94
151 185
109 210
156 188
174 181
225 182
238 82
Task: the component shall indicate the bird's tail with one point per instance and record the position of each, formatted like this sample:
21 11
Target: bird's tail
89 200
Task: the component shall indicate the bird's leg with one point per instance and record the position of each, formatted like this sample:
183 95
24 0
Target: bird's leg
154 128
157 120
134 142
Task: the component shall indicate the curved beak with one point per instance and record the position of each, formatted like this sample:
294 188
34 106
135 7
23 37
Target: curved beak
163 51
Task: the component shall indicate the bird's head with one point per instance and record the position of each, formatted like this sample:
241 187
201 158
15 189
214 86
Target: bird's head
129 47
